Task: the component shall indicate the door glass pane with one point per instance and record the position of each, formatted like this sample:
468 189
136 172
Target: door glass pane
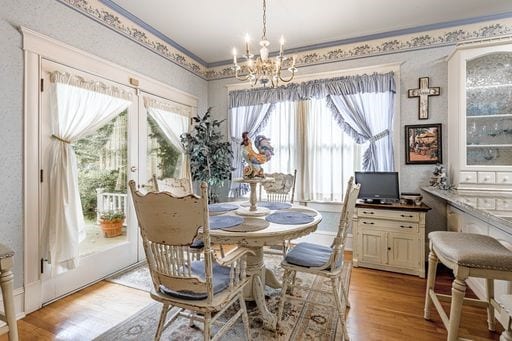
163 159
102 159
489 109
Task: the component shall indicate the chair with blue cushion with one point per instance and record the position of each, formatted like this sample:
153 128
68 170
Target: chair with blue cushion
322 260
201 290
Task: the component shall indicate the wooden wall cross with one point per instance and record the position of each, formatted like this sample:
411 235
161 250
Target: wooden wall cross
423 93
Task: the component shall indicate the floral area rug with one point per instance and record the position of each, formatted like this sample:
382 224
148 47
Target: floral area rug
300 321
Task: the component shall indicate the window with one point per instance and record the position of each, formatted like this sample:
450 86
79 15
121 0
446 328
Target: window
306 137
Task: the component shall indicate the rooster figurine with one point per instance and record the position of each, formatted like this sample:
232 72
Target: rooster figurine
255 160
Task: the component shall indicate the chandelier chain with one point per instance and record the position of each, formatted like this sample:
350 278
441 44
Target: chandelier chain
264 20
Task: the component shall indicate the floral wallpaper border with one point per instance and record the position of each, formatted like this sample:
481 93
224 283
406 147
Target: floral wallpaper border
422 40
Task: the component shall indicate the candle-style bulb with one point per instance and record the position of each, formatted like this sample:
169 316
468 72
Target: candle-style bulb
281 40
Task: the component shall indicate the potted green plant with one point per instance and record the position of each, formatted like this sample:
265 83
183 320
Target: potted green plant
210 154
111 223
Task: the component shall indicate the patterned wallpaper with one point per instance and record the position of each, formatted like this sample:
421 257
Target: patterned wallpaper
428 39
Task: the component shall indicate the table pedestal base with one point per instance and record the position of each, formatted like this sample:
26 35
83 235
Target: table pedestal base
255 289
257 212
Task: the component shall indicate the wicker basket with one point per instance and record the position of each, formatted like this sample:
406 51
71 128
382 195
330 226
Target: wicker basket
112 228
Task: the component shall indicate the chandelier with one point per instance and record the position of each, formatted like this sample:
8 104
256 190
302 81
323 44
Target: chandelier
264 70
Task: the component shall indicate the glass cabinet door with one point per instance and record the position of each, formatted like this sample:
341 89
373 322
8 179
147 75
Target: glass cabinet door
489 110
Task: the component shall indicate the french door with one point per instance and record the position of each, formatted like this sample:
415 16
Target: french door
107 159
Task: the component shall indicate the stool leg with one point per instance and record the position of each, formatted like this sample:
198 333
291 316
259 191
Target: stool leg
491 321
431 282
6 279
458 292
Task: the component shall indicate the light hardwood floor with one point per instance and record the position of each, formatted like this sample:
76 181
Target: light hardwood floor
385 306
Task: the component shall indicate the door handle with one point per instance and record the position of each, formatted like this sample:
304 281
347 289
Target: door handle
405 216
368 223
406 226
368 212
133 169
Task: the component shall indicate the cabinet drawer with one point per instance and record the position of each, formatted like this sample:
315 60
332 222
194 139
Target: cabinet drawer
486 203
392 225
486 177
468 178
471 201
504 204
388 214
504 178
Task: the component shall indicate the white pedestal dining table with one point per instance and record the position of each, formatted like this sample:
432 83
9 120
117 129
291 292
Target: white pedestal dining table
272 234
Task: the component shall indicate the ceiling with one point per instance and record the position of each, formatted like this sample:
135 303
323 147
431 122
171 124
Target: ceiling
208 30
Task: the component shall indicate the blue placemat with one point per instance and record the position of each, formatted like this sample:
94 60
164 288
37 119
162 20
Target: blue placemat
222 207
289 218
223 221
274 205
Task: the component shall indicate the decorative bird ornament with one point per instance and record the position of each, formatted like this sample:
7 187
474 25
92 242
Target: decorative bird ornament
254 159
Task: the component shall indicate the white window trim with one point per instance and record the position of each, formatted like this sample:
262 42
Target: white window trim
37 47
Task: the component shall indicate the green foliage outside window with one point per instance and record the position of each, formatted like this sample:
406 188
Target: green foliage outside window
167 154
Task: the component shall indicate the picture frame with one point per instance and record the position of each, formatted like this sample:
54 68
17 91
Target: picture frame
423 144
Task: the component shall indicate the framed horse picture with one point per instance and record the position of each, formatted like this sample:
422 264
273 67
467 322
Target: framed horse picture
423 144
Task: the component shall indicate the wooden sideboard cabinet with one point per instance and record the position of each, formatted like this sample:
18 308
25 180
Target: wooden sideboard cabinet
390 237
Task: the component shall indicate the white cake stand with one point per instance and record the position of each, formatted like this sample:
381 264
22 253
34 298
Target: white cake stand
253 210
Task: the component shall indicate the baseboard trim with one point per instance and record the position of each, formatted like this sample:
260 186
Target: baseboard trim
19 295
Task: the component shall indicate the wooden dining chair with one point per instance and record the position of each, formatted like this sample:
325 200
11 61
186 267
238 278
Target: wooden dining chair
178 187
322 261
205 288
282 189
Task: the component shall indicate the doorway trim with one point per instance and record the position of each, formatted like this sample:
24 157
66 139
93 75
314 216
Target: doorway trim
36 47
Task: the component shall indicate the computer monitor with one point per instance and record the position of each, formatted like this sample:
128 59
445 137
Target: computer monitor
378 187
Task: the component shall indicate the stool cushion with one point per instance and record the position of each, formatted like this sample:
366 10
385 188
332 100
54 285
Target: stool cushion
471 250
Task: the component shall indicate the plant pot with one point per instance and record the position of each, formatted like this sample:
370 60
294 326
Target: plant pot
112 228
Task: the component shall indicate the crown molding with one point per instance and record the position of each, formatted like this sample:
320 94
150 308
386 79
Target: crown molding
423 37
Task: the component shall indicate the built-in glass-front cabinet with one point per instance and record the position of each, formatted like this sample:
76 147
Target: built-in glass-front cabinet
480 116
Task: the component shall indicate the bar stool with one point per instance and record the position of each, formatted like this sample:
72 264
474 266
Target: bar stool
467 255
6 278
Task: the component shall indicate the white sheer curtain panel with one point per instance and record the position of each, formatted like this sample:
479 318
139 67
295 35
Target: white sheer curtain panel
240 119
330 156
282 130
77 108
173 125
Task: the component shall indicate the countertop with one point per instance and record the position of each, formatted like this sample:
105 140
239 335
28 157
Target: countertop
490 206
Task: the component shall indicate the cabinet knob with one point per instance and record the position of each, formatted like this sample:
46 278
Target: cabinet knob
368 212
368 223
405 216
389 249
505 179
406 226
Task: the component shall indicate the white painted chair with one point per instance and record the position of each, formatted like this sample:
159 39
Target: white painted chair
207 288
282 189
467 255
323 261
177 187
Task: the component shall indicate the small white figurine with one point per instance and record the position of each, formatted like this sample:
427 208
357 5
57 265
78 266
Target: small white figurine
439 179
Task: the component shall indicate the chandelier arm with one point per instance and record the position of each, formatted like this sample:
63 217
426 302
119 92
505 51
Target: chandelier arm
289 79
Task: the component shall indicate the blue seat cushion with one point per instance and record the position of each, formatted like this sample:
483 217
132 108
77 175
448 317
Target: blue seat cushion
221 279
309 255
197 244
